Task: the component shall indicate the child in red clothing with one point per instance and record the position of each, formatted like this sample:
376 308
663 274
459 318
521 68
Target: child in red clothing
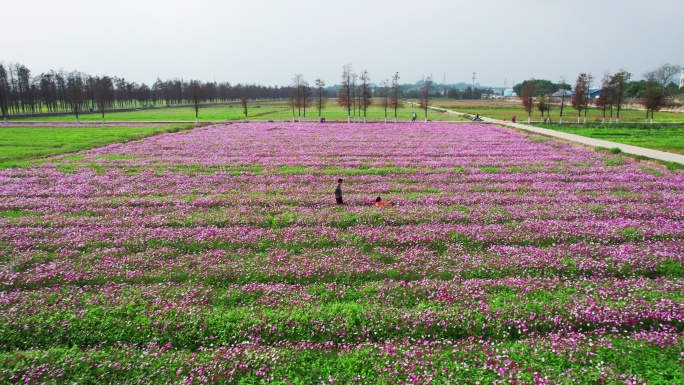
379 202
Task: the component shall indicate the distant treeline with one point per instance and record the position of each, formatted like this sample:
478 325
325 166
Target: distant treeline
60 91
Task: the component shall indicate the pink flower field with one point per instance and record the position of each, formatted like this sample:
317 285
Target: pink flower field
218 255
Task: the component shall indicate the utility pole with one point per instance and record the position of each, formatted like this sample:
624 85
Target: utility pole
473 81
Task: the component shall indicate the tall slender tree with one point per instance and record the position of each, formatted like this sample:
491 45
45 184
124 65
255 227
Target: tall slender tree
297 93
425 95
580 95
619 81
75 92
320 93
563 92
244 101
587 98
543 105
527 98
395 95
653 98
195 96
306 96
604 100
104 93
366 96
385 96
4 93
354 93
345 95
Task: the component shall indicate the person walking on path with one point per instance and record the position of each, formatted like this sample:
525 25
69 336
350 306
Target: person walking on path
338 192
413 117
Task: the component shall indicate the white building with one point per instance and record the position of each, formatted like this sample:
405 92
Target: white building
681 79
509 93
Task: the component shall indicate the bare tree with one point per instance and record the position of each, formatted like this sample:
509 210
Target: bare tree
580 95
664 73
653 98
604 99
301 95
75 92
354 93
366 97
425 95
543 105
385 95
143 95
395 95
293 101
345 96
527 98
297 97
563 92
306 96
243 103
587 99
244 100
4 93
321 101
619 83
104 93
196 97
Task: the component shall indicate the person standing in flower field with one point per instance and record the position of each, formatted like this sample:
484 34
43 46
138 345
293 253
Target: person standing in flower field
338 192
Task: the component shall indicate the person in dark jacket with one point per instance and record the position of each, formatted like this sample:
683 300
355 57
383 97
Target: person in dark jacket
338 192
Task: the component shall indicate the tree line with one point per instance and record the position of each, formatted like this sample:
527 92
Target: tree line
612 92
77 92
356 93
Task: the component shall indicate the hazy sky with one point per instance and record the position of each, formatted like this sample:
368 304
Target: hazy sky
268 41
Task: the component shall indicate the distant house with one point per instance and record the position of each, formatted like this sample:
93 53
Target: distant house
593 93
561 93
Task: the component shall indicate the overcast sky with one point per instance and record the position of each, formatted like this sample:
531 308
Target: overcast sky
268 41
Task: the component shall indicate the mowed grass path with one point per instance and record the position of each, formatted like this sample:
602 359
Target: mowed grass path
19 146
668 138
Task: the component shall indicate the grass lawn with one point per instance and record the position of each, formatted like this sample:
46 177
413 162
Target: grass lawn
20 145
500 109
270 110
281 111
668 138
212 113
